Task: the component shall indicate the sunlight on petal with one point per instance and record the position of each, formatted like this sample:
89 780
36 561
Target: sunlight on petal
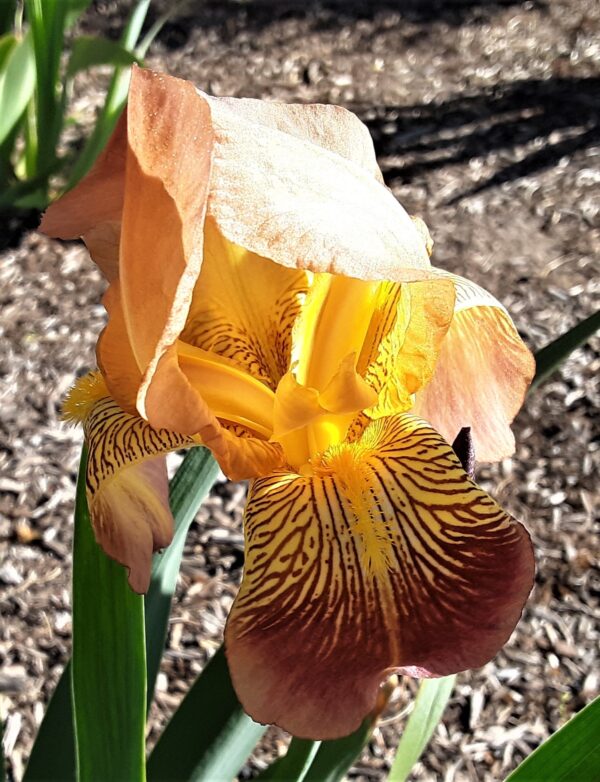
389 558
482 374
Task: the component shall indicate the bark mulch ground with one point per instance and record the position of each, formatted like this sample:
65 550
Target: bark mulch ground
485 118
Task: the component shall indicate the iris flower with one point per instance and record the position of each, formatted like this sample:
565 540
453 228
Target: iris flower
270 299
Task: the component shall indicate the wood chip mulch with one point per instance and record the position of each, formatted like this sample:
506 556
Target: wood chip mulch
486 121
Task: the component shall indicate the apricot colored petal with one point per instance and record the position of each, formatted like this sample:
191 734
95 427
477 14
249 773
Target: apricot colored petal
331 127
97 199
172 402
115 356
482 374
127 487
242 456
166 186
304 206
402 346
244 308
389 559
102 242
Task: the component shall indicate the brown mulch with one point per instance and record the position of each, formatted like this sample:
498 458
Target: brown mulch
486 120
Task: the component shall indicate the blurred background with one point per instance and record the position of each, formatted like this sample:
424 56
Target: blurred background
486 122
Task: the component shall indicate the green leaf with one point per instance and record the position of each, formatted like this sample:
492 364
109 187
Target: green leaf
322 761
47 22
56 730
2 766
548 359
572 753
89 51
295 764
209 737
334 758
116 97
7 44
187 490
8 10
430 703
17 82
109 659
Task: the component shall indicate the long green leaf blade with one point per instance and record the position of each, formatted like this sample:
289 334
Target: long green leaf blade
335 757
115 98
295 764
549 358
187 490
430 703
2 765
89 51
209 737
8 9
56 730
47 20
17 82
109 659
572 753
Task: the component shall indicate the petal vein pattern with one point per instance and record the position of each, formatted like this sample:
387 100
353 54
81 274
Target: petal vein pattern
390 558
127 486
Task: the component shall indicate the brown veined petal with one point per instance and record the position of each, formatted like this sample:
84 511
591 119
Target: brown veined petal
127 486
244 308
304 206
482 374
403 343
389 559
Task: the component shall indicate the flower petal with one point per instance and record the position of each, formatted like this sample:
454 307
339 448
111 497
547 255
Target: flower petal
389 558
304 206
115 355
166 187
331 127
481 376
94 206
173 403
403 342
127 487
244 308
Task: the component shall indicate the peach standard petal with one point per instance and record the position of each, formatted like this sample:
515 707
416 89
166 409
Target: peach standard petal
482 375
285 197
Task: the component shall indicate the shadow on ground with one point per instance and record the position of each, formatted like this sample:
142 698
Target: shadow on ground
549 118
323 14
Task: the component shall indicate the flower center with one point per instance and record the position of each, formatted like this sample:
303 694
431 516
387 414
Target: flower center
315 406
231 393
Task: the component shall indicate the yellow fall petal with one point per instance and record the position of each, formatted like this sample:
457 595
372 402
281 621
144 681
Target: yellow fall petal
388 558
126 479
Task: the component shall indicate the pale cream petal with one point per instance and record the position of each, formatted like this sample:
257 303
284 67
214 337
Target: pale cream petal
332 127
306 207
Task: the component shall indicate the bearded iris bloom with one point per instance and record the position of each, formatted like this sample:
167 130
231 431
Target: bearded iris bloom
268 298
